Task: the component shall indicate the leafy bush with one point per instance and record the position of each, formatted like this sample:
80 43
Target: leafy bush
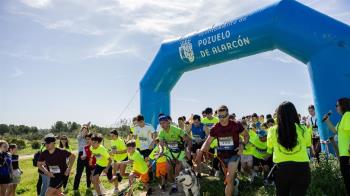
21 144
326 177
36 145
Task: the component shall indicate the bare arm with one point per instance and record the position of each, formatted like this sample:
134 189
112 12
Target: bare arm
331 126
41 166
70 163
205 148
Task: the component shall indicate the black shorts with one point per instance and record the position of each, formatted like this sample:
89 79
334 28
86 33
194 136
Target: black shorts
258 162
196 146
145 153
98 171
57 181
5 179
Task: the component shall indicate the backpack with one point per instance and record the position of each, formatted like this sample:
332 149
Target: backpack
36 158
5 162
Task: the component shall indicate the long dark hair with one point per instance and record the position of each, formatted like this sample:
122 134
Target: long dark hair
344 104
287 117
67 143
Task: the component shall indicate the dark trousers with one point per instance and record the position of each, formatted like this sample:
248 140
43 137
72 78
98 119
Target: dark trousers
292 178
81 164
345 171
38 185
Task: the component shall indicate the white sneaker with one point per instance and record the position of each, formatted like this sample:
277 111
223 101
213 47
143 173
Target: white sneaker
217 173
116 191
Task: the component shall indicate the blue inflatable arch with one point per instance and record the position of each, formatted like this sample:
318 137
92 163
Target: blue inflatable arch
317 40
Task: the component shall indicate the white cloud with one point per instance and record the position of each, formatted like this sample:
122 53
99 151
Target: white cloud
40 4
17 72
108 50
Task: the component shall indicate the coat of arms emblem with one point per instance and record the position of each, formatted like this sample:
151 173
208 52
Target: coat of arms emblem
186 51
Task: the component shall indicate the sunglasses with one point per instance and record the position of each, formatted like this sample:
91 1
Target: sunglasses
222 116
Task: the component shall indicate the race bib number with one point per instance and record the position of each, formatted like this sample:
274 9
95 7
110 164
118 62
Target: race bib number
196 138
226 143
114 149
173 146
144 139
262 151
54 169
98 156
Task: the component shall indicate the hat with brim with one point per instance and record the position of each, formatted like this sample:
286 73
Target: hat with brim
49 138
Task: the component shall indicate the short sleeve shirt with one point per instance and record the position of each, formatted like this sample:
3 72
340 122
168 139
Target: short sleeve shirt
173 135
139 164
228 138
343 128
101 154
144 136
56 161
118 145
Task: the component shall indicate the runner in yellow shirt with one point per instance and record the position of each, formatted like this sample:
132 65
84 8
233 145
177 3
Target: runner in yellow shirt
118 153
103 162
139 167
161 163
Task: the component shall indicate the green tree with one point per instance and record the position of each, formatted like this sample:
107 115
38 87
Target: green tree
4 129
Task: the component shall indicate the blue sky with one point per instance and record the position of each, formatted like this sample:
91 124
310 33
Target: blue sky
82 60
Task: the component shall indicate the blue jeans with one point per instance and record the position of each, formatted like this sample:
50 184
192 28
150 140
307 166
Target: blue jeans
45 184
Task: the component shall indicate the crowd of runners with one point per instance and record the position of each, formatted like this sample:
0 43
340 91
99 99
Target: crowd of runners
276 148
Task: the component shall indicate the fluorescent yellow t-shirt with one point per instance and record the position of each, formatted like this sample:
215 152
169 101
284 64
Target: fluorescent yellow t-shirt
101 155
297 154
118 145
343 129
139 164
161 159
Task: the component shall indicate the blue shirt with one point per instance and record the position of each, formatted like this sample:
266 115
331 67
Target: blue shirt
198 132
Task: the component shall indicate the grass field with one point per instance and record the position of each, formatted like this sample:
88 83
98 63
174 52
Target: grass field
210 186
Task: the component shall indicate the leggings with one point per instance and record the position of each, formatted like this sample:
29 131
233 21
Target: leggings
345 171
292 178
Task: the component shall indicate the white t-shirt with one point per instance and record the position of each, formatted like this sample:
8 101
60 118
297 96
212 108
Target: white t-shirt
144 135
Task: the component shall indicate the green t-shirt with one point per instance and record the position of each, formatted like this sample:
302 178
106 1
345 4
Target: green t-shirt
161 159
101 154
173 135
297 154
139 164
210 122
343 129
118 145
260 148
249 148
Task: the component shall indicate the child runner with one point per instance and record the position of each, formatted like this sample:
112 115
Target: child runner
90 159
16 172
118 152
247 156
103 162
261 159
139 167
161 164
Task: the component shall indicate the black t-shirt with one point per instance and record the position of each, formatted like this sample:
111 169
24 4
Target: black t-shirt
56 162
15 163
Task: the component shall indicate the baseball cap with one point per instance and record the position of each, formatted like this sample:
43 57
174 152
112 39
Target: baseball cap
262 133
49 138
